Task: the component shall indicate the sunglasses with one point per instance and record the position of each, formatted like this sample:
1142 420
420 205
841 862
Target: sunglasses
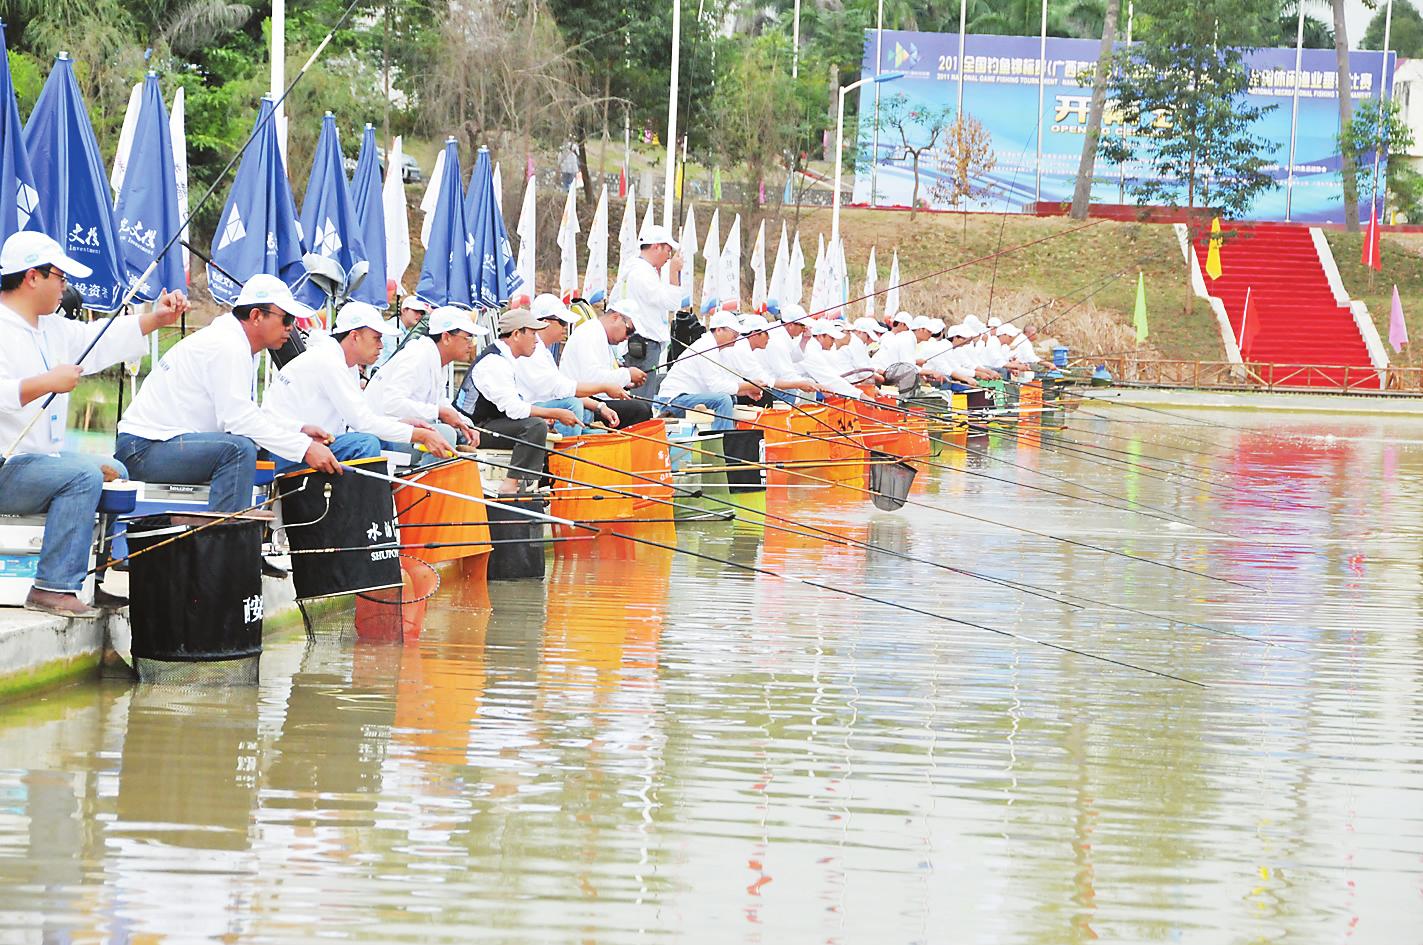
288 319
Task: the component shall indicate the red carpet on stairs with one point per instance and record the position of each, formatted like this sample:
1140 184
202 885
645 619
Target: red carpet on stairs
1299 322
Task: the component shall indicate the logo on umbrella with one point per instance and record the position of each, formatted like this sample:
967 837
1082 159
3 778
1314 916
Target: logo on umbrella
328 241
27 201
233 230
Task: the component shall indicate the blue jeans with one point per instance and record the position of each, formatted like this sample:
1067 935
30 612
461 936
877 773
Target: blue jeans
227 461
719 404
66 488
346 447
575 406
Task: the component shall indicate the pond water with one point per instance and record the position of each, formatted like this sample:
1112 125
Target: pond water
651 745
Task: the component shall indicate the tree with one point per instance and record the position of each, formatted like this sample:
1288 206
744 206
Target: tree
1406 36
1347 169
967 156
1403 186
1082 191
919 131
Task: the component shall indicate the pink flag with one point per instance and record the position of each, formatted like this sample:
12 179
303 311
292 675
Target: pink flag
1397 330
528 167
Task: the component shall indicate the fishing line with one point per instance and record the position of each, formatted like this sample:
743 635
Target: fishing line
193 212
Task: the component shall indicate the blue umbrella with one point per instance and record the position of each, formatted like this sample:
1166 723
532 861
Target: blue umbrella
147 208
445 277
494 276
18 194
257 231
370 218
78 207
328 218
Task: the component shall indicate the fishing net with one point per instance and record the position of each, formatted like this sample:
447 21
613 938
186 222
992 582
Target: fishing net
215 673
394 614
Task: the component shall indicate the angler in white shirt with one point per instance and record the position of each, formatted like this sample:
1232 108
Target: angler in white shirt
698 379
490 397
195 420
822 361
654 301
744 357
590 358
321 387
406 327
543 383
864 331
782 355
411 385
40 356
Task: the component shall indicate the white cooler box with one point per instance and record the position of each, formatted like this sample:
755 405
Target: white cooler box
21 537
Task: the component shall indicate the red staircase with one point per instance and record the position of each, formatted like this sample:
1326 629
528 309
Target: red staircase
1300 323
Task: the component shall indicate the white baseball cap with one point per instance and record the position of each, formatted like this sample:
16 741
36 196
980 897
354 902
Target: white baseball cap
826 327
919 321
791 312
29 249
449 318
936 325
957 331
546 305
654 235
751 322
625 307
264 289
994 322
1009 330
867 325
355 315
415 304
903 318
724 320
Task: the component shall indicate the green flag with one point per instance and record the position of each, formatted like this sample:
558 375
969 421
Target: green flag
716 183
1139 318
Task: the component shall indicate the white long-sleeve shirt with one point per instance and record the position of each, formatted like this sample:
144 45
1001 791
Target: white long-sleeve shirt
698 373
26 351
655 300
411 384
742 358
539 378
588 358
858 358
783 356
896 347
826 368
493 379
320 388
207 383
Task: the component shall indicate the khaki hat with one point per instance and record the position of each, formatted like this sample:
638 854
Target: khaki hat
516 318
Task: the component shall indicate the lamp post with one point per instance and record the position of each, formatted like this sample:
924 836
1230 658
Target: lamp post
669 181
840 142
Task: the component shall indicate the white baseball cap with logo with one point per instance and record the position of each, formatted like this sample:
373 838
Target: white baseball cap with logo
654 235
546 305
449 318
751 323
28 249
355 315
263 289
903 318
725 320
791 312
826 327
868 325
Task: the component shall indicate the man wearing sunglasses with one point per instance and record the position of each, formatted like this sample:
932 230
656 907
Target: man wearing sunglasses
195 419
40 352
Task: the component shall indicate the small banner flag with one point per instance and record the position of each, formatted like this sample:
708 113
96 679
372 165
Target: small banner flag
1249 328
622 183
1371 255
758 270
891 295
793 290
871 276
1139 317
677 181
788 196
1213 251
711 254
1397 330
595 276
568 230
716 183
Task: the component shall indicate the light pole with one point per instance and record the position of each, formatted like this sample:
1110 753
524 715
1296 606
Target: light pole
840 142
669 181
879 61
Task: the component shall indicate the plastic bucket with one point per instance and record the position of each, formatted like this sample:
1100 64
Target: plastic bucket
523 555
198 599
342 540
398 613
1059 356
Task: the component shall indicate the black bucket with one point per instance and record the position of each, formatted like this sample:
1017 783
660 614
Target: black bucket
686 328
890 481
295 345
742 448
342 543
523 555
198 599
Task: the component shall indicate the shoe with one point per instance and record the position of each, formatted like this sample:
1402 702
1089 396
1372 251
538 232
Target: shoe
59 604
106 601
274 571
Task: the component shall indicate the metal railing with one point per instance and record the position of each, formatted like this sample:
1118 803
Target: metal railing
1255 375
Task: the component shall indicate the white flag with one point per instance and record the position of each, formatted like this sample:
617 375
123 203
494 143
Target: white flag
498 190
628 243
397 218
647 220
817 285
729 278
758 270
871 276
688 243
891 295
526 231
595 277
432 196
776 292
711 254
793 289
568 231
177 130
837 279
130 126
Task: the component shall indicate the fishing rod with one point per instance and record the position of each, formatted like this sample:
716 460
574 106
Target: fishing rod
433 545
520 510
1013 585
1003 214
192 213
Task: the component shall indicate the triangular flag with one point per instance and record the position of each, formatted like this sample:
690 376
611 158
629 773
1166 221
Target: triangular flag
595 277
891 294
1213 251
1139 317
1397 330
1371 256
431 198
116 177
677 182
716 183
628 244
622 183
567 240
177 128
793 289
871 276
688 242
758 270
1249 328
711 252
775 292
527 231
646 217
729 277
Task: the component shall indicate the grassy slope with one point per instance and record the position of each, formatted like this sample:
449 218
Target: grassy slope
1402 256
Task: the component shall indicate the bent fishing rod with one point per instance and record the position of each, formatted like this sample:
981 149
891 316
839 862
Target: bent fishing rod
192 213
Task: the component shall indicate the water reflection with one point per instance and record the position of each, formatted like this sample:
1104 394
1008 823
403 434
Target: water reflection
654 745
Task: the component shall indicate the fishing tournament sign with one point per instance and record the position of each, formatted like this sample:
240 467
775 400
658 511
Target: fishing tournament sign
1001 89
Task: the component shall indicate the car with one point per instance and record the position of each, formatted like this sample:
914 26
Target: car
410 168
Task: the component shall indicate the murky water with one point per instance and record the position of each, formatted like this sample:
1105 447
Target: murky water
654 746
